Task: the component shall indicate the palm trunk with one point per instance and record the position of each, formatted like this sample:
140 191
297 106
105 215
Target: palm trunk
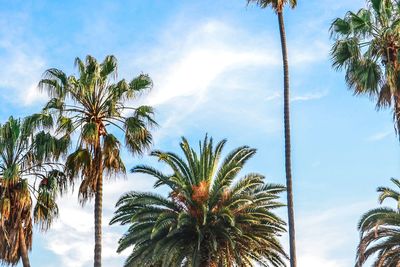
397 114
98 206
22 248
288 164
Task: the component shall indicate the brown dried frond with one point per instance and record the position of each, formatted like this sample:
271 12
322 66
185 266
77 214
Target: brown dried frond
200 192
14 216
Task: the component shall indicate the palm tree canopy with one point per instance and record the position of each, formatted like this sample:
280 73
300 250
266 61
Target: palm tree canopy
367 47
28 168
210 216
380 231
276 5
90 104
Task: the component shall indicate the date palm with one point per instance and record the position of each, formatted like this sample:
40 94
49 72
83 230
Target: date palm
278 7
28 169
367 47
91 104
211 217
380 231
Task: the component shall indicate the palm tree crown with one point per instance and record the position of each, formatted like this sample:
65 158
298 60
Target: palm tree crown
91 104
28 168
367 47
276 5
207 218
380 231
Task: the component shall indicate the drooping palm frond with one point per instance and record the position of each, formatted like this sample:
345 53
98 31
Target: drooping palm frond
211 217
367 48
29 175
91 105
380 232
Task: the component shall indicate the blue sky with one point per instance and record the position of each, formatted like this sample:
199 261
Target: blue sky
216 69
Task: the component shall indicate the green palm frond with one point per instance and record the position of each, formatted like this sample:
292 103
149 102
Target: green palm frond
206 218
380 231
27 153
276 5
366 45
90 104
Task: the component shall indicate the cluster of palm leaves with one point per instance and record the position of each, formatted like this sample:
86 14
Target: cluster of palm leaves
208 218
29 175
367 46
380 231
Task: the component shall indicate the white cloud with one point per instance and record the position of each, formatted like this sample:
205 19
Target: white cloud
300 54
19 78
188 67
71 237
22 64
320 235
200 58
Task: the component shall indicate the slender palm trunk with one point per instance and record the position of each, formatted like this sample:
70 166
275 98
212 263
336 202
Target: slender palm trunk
397 114
22 248
98 206
288 163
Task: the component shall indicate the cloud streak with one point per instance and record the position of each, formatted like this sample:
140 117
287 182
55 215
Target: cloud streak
309 96
380 135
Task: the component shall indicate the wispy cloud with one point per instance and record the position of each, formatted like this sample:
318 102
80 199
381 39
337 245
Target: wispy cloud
207 51
380 135
21 61
188 66
309 96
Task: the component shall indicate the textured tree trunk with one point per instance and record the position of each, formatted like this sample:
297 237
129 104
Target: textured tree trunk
397 114
22 248
288 163
98 206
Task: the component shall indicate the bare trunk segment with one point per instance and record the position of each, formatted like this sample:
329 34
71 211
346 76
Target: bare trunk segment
22 248
98 207
288 164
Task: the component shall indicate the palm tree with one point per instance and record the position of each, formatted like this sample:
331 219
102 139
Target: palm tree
28 168
380 231
367 47
278 7
210 218
91 104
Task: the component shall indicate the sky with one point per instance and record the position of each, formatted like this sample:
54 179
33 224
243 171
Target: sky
216 68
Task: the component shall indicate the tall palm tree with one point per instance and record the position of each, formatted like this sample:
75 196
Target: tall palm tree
367 46
28 168
278 7
91 104
210 217
380 231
